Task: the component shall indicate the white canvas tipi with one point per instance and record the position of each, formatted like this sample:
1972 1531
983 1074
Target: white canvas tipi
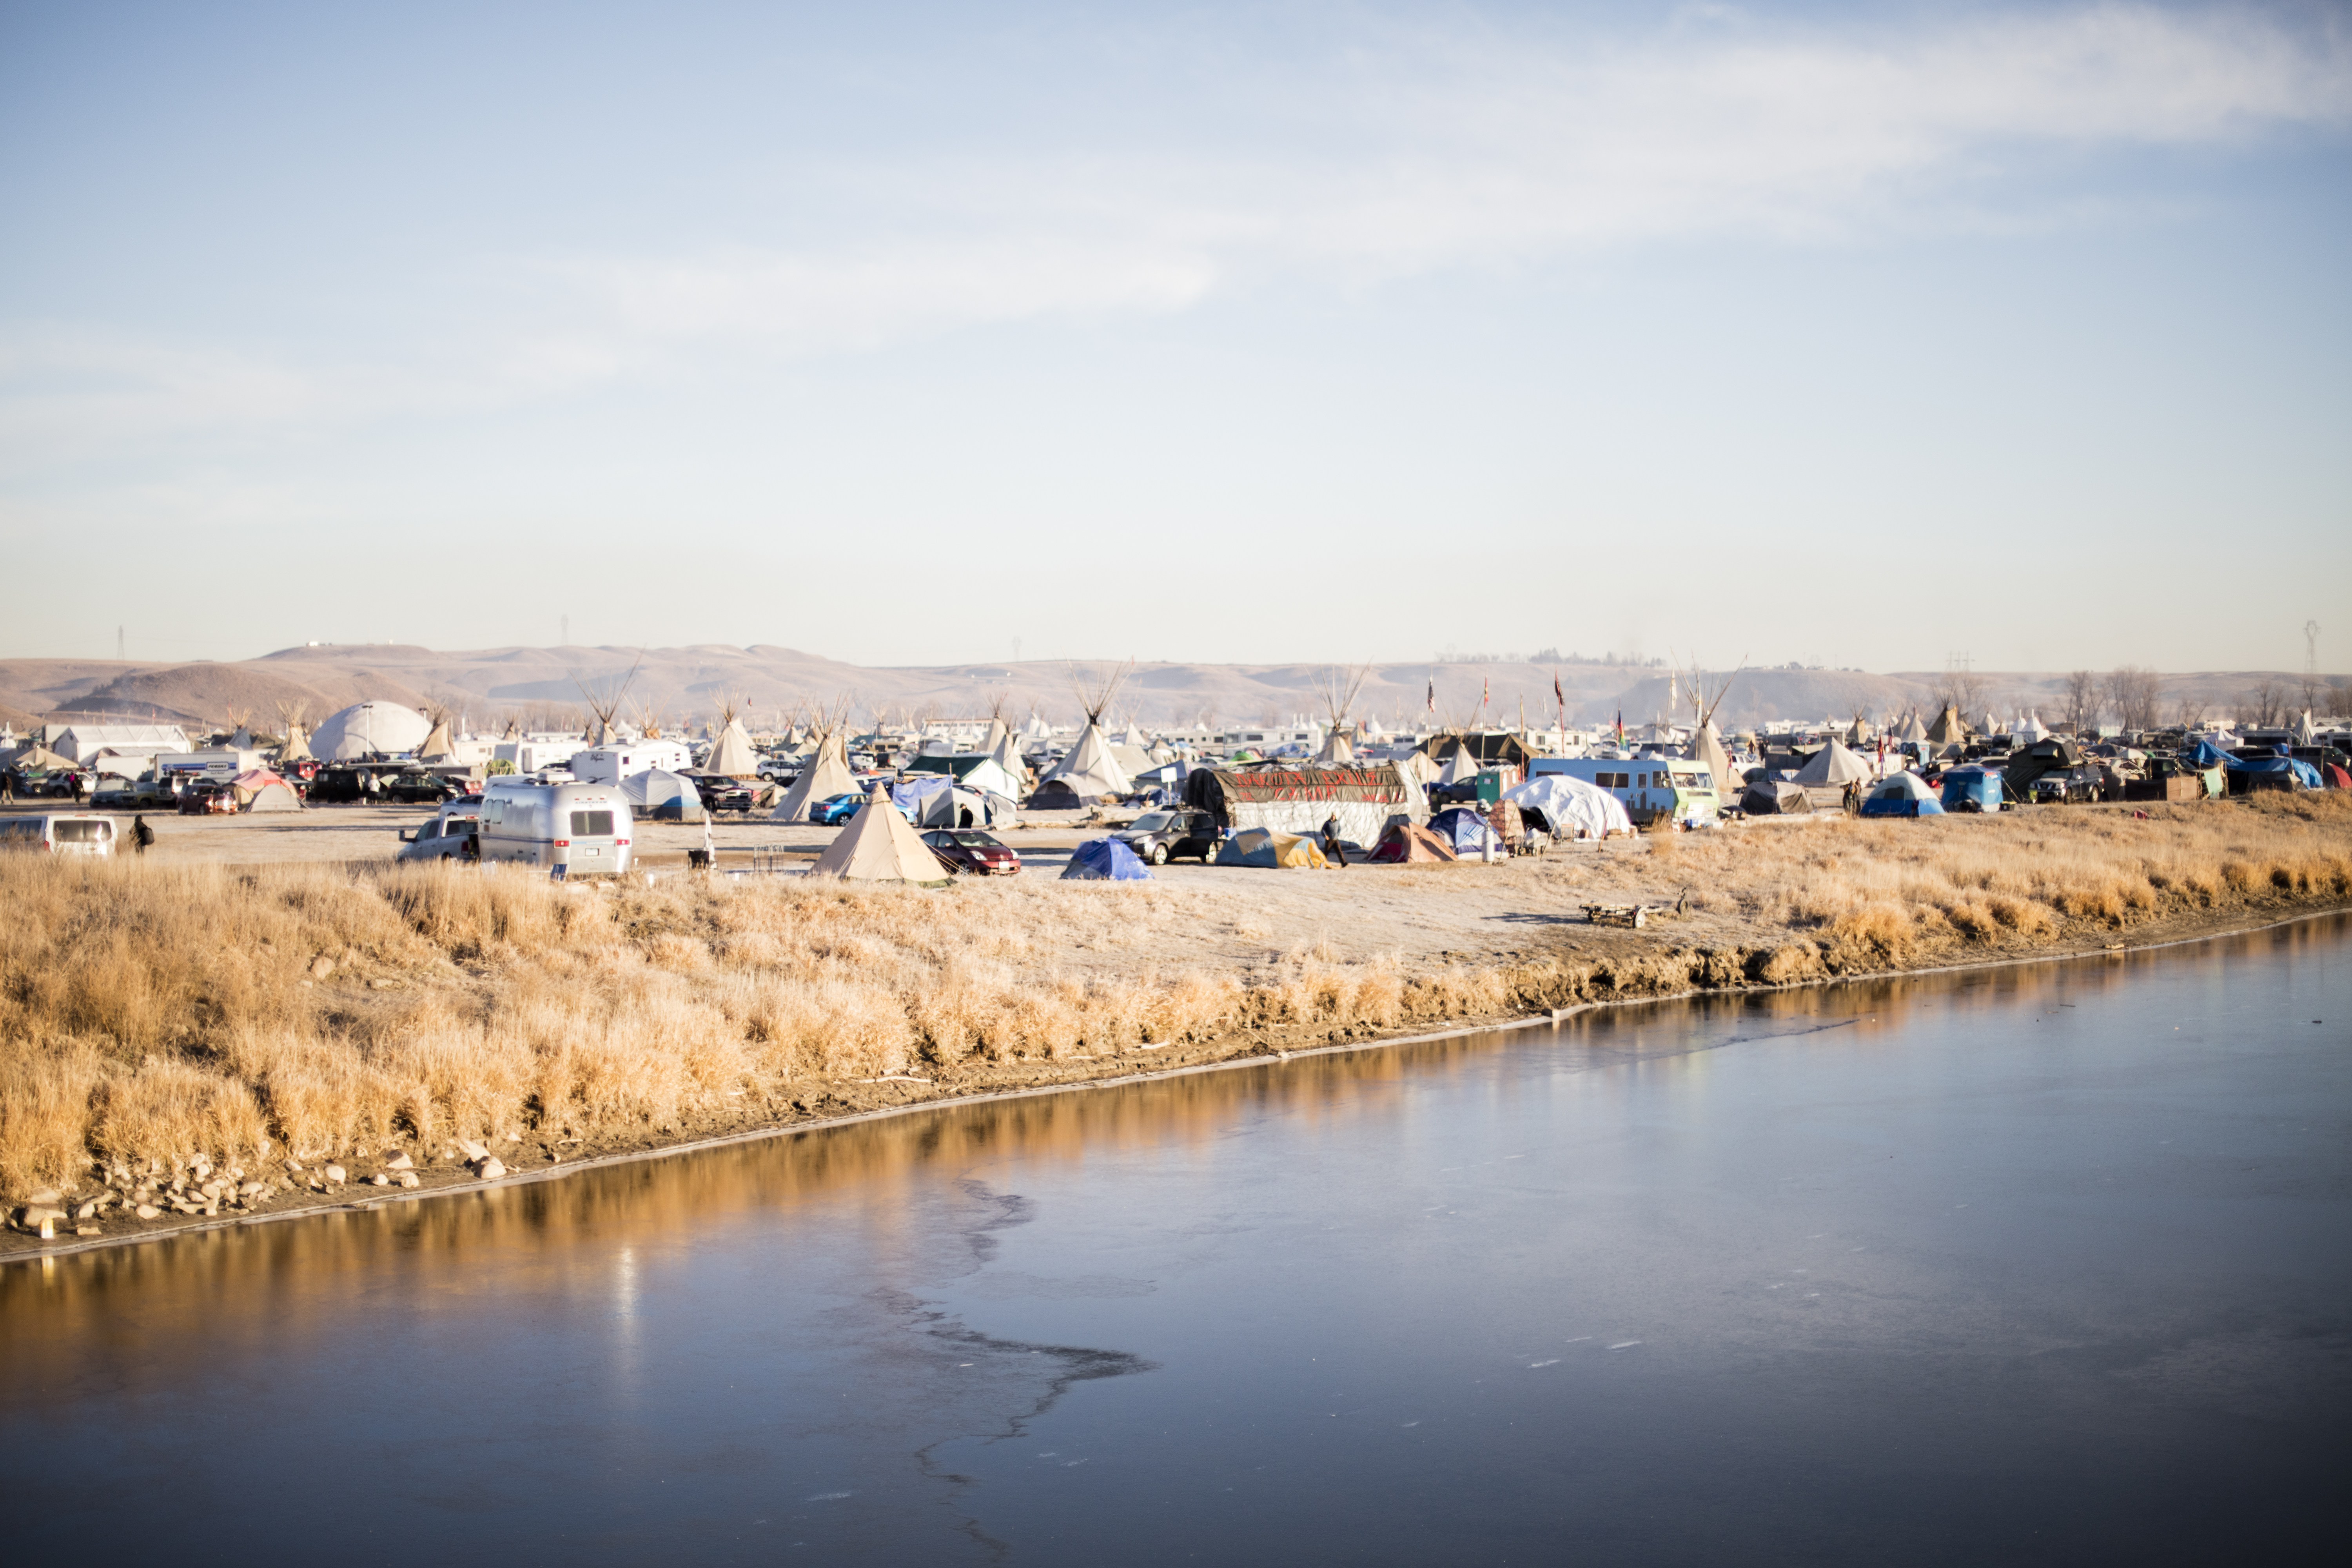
1832 765
826 776
1091 768
731 754
879 846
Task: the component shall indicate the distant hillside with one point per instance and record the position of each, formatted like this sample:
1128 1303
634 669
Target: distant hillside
683 684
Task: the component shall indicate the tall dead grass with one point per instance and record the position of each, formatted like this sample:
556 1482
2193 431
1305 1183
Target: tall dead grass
154 1015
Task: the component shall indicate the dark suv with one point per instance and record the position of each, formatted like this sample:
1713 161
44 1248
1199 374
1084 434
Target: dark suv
1160 837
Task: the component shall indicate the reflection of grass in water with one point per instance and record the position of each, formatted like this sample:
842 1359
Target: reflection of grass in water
154 1013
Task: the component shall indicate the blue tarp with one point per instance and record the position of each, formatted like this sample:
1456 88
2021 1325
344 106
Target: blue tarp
1979 787
2303 773
1105 860
912 795
2205 755
1464 831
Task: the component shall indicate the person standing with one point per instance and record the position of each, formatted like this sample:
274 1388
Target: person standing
1332 848
142 836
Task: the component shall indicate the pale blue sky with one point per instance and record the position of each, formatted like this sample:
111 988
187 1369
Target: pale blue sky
1856 334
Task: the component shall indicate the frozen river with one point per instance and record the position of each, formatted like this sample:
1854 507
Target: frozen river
2043 1264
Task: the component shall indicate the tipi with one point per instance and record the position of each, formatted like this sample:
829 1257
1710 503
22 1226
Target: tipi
828 773
1091 770
438 746
731 754
1339 689
879 846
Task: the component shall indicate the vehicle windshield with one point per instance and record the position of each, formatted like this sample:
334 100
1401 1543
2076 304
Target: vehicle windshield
977 841
83 832
1154 821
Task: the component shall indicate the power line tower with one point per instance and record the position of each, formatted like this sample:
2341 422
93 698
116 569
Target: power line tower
2311 647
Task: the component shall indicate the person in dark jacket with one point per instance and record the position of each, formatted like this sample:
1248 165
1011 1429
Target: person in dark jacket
1332 850
141 834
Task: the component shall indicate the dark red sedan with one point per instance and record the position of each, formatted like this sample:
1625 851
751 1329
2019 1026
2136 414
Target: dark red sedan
969 853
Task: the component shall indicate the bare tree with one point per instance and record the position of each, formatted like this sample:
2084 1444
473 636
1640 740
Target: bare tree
2262 706
1964 690
2082 702
2190 711
2136 693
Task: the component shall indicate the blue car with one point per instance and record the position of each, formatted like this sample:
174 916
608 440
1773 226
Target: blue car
834 810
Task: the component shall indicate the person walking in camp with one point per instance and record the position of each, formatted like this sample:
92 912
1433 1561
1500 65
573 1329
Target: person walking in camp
142 836
7 786
1332 846
74 782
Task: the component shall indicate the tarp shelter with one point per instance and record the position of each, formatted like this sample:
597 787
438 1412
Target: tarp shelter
1364 798
1833 766
1572 807
1464 831
1775 797
1407 843
731 754
923 799
826 775
879 845
2205 754
1105 860
258 789
364 729
662 797
1091 770
2275 772
1264 847
1902 795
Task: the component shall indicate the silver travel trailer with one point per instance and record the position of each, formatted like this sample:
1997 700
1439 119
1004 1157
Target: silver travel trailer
575 829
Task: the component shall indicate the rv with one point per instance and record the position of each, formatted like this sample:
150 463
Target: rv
1652 789
63 833
571 829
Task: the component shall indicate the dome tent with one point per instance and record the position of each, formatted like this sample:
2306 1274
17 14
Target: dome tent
368 729
1902 795
660 796
1105 860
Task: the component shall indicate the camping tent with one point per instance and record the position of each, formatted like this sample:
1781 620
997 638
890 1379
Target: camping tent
383 728
1834 765
1464 831
1264 847
1409 843
1775 797
1570 807
826 775
258 789
1105 860
663 796
1090 770
1902 795
879 846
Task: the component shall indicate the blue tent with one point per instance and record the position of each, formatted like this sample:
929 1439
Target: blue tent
1971 789
2305 775
1464 831
2204 755
1902 795
1105 860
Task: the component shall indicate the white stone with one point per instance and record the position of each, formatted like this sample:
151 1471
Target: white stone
408 1178
400 1162
379 1180
490 1168
147 1211
334 1172
86 1210
473 1150
40 1217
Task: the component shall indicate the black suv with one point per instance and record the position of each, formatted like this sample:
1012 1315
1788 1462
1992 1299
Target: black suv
1159 837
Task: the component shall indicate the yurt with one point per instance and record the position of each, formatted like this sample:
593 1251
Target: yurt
368 729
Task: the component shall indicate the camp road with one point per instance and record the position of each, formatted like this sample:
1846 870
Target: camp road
1259 1058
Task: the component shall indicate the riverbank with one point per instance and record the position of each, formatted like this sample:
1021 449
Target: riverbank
286 1034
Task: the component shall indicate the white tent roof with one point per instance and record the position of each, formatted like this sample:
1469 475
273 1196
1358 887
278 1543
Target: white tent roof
731 754
1037 727
1459 767
1134 737
990 777
879 845
1091 768
656 787
826 776
1833 764
1568 803
364 727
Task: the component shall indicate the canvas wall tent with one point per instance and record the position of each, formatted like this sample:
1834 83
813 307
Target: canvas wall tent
1775 797
1105 860
1572 807
1365 799
879 845
826 776
365 729
1408 843
662 797
1466 832
1264 847
1902 795
1833 766
257 789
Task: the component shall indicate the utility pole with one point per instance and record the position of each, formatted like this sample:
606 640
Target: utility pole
118 645
2311 647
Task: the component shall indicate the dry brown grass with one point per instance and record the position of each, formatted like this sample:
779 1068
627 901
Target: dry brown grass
151 1015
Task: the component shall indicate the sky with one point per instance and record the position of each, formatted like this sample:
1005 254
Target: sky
1872 336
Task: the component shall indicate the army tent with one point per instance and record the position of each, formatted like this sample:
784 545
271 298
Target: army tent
1264 847
662 797
368 729
1833 766
1407 843
826 774
1105 860
879 845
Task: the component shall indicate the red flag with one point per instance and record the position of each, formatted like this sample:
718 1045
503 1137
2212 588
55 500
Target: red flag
1485 691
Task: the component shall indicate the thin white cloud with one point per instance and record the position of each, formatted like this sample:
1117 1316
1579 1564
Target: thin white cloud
1407 154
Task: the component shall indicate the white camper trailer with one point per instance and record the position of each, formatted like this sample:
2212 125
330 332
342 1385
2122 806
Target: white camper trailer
573 829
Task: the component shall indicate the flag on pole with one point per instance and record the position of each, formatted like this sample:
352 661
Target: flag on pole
1485 691
1432 694
1621 727
1561 698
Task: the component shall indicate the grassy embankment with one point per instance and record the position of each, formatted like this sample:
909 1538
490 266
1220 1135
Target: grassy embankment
150 1015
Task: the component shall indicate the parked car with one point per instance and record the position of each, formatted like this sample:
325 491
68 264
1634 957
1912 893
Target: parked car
450 836
726 794
419 786
213 797
1159 837
60 833
834 810
969 852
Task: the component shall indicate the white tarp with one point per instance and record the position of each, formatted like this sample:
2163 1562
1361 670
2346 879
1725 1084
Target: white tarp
1571 806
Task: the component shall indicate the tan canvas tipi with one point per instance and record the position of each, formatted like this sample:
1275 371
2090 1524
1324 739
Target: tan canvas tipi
731 754
1091 768
1833 764
828 773
1339 689
297 748
438 746
879 846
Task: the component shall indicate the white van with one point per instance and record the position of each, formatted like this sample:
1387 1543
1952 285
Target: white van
578 830
63 833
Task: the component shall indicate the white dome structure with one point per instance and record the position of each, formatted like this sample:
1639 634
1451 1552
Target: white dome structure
385 729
